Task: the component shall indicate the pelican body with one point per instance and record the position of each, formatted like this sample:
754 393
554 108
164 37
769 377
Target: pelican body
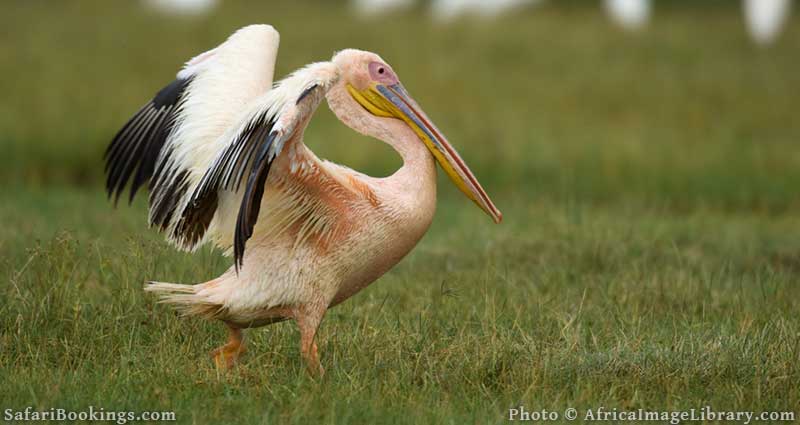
222 149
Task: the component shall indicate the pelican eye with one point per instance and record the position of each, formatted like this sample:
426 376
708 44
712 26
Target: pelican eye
382 74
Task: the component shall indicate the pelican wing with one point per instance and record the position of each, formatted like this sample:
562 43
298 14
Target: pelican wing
175 137
264 131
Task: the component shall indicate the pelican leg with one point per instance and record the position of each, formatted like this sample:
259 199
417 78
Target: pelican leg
225 357
308 319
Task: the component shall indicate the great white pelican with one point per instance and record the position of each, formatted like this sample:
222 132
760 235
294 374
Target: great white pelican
222 151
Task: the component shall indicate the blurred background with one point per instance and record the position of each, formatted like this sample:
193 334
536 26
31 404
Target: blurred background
669 102
645 154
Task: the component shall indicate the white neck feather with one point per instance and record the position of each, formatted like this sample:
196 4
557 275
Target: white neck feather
411 190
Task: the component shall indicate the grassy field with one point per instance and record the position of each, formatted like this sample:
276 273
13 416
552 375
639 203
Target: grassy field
649 256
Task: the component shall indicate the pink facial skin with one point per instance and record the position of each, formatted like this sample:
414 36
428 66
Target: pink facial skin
382 74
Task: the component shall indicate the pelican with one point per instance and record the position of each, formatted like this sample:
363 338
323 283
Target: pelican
182 7
449 10
765 19
373 8
629 14
222 151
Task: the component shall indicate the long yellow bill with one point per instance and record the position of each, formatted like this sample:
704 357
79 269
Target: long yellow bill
394 101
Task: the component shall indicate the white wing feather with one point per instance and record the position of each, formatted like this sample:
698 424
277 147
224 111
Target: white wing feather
223 83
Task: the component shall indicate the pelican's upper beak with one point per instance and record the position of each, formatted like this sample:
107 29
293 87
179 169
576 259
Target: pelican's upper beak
394 101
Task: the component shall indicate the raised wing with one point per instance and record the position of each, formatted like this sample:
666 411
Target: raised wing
175 137
251 148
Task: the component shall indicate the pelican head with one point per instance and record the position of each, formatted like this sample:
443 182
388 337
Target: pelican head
374 85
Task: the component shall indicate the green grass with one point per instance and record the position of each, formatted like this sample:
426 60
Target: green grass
649 255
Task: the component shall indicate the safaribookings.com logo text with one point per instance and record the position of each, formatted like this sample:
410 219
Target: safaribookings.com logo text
605 414
91 414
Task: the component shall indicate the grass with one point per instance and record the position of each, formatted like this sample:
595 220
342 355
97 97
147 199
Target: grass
649 256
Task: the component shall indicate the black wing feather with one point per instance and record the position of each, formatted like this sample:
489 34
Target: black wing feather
306 92
225 174
136 147
251 202
150 154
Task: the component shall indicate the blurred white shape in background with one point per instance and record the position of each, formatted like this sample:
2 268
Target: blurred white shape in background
369 8
629 14
448 10
182 7
765 19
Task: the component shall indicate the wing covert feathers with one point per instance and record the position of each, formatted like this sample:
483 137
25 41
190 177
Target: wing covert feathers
274 119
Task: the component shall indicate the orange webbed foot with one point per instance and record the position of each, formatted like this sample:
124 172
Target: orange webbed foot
227 356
